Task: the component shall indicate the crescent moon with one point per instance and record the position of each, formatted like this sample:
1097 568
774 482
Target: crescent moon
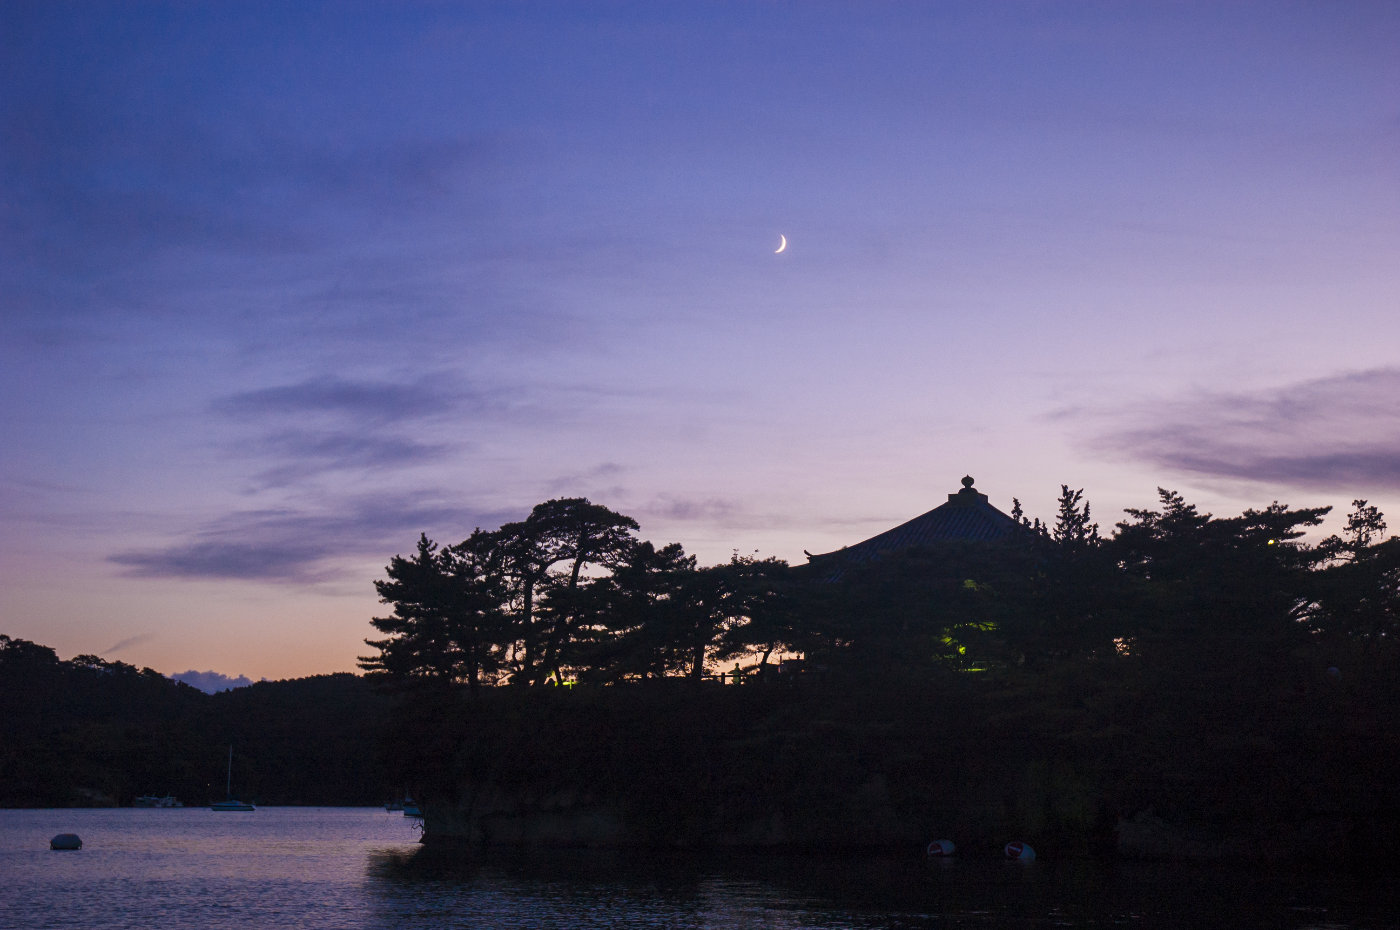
783 240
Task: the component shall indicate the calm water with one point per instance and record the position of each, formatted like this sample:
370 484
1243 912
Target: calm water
362 868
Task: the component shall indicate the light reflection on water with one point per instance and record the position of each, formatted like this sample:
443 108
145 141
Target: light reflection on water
362 868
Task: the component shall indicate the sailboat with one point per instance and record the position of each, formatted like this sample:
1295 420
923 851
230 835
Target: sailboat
231 804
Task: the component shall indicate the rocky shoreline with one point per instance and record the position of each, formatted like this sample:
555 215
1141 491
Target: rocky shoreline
573 819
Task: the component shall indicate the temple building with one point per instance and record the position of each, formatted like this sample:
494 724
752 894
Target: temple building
966 517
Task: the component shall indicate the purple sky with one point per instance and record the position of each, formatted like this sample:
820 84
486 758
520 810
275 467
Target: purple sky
284 284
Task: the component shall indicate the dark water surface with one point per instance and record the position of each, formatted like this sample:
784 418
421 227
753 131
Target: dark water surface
363 868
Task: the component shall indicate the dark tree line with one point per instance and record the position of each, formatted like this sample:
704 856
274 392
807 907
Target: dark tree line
570 593
88 731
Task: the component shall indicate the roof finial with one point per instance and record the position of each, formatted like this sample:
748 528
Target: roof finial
968 494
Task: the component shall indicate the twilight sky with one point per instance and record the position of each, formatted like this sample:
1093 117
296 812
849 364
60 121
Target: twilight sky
284 284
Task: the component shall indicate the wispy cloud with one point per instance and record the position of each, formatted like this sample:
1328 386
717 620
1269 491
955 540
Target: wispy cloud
712 509
86 157
739 515
230 559
1337 432
361 401
307 455
127 643
600 481
305 546
334 424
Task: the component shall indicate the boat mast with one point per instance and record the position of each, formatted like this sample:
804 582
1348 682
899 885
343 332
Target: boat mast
229 788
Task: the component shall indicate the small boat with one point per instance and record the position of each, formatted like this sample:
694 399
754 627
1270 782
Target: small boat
231 804
411 808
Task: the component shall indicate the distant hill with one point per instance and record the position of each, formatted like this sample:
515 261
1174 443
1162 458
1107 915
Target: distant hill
212 682
89 732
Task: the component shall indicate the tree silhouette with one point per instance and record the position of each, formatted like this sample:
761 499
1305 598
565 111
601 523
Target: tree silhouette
641 607
447 620
1358 590
1192 576
544 558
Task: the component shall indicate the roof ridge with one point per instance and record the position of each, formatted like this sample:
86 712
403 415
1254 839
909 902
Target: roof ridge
967 516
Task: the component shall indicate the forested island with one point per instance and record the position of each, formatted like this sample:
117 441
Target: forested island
1184 686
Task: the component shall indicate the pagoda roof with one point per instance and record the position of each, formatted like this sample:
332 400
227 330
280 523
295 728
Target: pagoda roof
967 516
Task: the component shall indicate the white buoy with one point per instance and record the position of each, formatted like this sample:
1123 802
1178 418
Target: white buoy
66 841
1019 851
941 848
